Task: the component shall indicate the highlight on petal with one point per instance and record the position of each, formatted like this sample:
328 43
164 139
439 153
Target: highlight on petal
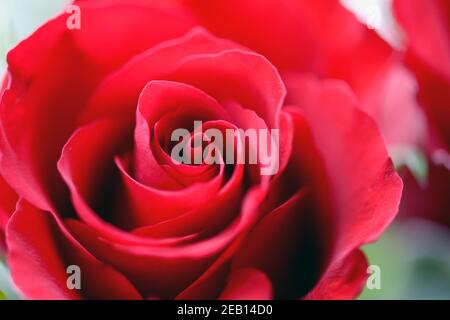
8 201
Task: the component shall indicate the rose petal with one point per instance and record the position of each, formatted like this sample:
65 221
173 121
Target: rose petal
149 206
119 92
250 80
428 55
157 99
52 76
136 21
39 254
8 200
293 35
165 270
291 233
247 284
429 42
343 280
364 187
87 165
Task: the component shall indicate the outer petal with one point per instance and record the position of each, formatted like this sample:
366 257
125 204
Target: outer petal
165 270
287 246
365 189
53 72
430 41
250 79
247 284
8 200
428 55
293 36
119 92
343 280
39 253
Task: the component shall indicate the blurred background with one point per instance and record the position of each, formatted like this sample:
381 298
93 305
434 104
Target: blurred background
413 256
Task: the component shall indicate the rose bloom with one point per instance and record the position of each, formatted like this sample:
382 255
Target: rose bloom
86 117
427 55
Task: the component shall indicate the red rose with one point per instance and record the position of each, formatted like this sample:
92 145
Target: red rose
86 118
